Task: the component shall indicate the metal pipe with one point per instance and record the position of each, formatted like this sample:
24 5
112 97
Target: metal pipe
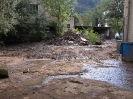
128 21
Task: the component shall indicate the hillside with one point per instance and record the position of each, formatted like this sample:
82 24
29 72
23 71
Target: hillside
83 5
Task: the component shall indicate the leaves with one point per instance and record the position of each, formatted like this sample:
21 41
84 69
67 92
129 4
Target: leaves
61 11
116 9
91 36
7 15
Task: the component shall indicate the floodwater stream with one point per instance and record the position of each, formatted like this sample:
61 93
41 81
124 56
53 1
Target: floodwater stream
115 72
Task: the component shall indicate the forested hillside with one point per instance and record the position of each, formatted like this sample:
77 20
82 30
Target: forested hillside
83 5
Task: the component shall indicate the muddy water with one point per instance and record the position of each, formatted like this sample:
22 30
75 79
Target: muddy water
17 76
114 72
43 81
32 82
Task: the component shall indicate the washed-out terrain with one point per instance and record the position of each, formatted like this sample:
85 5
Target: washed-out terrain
41 71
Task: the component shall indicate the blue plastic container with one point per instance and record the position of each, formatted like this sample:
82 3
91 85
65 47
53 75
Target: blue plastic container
126 49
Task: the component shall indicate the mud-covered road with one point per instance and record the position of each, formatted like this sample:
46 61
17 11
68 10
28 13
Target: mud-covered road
40 71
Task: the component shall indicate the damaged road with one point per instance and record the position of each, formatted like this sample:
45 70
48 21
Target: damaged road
40 71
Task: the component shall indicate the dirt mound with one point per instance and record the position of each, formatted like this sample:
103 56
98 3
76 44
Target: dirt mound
69 38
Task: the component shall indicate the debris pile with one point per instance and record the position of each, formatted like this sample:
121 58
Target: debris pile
69 38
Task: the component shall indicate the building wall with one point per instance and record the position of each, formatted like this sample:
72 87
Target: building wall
128 21
42 13
71 22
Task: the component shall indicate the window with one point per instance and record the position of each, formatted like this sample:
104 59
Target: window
68 25
33 9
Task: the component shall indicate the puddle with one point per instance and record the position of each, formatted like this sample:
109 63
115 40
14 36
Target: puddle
49 78
39 62
25 80
117 73
42 82
32 82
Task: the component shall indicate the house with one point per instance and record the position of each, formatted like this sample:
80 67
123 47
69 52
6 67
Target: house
70 24
36 9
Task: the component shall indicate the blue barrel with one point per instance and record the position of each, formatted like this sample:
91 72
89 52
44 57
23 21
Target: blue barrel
126 49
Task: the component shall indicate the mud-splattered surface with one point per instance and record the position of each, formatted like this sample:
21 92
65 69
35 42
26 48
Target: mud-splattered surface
39 71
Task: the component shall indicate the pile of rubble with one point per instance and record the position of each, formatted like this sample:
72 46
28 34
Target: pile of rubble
69 38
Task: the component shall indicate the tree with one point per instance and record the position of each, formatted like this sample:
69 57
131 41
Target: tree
115 12
87 17
7 15
96 15
99 12
106 11
61 12
31 23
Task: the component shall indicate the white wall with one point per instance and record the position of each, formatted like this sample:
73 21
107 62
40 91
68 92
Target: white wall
71 22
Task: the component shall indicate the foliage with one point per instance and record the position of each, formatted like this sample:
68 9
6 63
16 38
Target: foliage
30 25
106 11
61 11
96 15
116 27
87 18
99 12
7 15
115 13
77 31
91 36
78 21
116 9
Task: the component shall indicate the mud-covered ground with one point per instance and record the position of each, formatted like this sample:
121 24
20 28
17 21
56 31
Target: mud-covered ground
41 71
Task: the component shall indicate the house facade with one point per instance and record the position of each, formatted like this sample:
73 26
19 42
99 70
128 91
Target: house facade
37 8
70 24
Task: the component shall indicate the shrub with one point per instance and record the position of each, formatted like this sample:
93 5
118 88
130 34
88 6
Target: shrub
77 31
31 26
91 36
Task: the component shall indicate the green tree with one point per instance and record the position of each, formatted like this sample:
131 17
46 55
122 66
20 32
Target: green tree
115 12
87 18
95 15
31 22
61 12
99 12
7 15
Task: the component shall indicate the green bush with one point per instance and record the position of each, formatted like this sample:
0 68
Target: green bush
29 28
77 31
91 36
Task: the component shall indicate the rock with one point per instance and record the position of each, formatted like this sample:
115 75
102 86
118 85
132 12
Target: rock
3 73
26 71
98 42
